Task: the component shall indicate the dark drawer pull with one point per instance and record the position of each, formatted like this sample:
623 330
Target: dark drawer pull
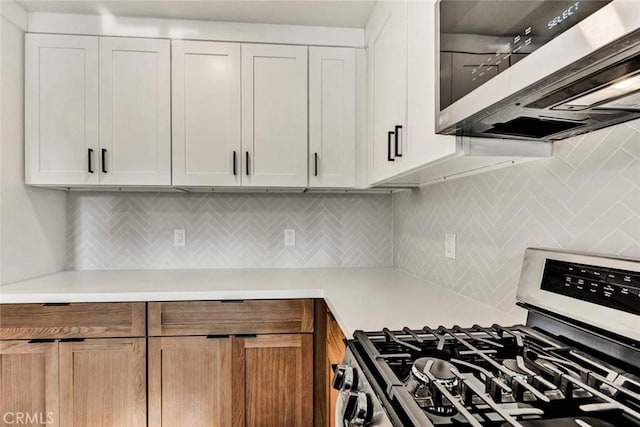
90 160
397 132
217 337
55 304
235 172
315 164
389 136
40 340
247 162
72 340
104 160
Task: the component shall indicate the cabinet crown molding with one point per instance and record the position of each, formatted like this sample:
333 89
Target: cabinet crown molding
117 26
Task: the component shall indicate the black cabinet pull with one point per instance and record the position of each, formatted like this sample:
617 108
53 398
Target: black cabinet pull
104 160
72 340
89 160
40 340
235 172
389 158
55 304
398 153
247 162
315 164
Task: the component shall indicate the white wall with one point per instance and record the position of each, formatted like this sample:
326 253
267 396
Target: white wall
32 221
585 198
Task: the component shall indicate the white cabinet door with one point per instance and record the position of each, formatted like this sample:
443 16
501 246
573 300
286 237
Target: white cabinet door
61 110
423 145
274 116
135 118
205 113
332 117
387 48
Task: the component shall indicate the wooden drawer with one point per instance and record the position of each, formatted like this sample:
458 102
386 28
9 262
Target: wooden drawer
82 320
230 317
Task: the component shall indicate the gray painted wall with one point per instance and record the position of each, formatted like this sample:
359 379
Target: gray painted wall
586 197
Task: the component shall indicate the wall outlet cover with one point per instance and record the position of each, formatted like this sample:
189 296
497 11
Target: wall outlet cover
290 237
450 246
179 237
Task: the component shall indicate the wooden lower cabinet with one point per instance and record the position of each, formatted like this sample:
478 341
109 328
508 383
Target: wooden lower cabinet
29 383
273 381
258 381
190 382
103 383
96 382
253 380
335 355
329 350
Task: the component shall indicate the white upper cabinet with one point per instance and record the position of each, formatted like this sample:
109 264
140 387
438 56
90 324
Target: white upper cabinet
206 113
274 116
61 110
387 68
422 144
135 111
332 117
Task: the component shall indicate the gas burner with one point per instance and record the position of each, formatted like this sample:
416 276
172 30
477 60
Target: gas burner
425 372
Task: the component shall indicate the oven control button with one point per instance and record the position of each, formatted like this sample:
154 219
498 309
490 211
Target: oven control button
345 378
358 410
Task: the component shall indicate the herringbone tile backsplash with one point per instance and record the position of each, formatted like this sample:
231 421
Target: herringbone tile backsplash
135 230
586 197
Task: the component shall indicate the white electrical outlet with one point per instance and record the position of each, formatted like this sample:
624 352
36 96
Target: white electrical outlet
450 246
179 237
289 237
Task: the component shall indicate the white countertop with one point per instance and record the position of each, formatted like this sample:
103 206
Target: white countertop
367 299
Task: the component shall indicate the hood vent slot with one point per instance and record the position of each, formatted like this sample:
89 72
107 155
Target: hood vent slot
531 127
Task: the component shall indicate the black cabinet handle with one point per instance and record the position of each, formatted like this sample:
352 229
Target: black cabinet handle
235 172
89 160
315 164
389 158
217 337
104 160
398 153
247 162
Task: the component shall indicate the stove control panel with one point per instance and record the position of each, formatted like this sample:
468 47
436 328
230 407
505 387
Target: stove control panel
345 378
356 405
618 289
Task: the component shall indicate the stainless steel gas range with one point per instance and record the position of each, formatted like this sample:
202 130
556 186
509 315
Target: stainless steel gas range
575 363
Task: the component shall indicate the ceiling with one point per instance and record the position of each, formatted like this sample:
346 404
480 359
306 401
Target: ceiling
330 13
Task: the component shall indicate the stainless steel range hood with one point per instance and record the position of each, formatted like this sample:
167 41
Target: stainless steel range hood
584 78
